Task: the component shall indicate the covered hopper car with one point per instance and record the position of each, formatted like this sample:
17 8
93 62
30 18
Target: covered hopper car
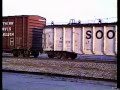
66 41
22 35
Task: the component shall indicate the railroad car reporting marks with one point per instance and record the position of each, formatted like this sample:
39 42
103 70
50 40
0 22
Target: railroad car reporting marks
8 34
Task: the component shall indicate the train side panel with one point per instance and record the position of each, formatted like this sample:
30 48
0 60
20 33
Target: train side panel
98 45
48 39
67 39
116 39
58 39
109 40
77 40
95 39
87 40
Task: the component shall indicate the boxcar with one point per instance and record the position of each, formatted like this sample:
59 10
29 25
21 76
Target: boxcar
22 35
66 41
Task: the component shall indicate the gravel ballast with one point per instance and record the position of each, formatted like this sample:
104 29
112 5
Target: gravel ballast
98 70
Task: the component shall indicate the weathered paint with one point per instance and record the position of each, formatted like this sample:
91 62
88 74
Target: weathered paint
49 39
77 40
100 39
17 31
116 40
58 39
87 40
98 43
109 43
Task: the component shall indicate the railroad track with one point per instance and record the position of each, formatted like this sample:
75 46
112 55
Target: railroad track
79 59
82 68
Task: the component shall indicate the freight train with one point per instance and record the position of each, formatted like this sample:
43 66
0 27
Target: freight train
29 35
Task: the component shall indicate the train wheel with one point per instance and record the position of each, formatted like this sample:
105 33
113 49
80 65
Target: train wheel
64 55
58 55
50 56
15 53
35 54
26 53
73 56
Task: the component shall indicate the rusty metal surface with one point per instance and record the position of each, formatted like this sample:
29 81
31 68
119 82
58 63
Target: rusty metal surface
17 31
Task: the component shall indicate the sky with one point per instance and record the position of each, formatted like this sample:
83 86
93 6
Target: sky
62 10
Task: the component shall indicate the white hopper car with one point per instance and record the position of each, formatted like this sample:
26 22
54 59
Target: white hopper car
66 41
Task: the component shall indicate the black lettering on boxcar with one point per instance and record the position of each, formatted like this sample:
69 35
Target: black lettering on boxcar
88 33
101 34
113 34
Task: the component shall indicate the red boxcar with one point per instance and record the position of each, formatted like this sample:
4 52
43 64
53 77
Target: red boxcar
22 35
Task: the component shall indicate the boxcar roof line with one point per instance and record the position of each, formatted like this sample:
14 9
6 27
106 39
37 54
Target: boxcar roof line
22 16
78 25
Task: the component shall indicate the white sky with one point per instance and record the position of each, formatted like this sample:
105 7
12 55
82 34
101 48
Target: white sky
62 10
